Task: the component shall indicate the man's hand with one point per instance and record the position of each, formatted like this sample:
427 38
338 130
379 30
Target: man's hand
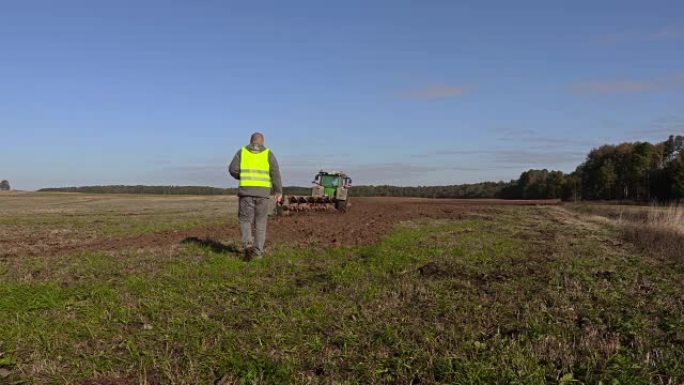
278 198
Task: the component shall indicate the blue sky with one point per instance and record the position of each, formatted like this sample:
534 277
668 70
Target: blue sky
398 92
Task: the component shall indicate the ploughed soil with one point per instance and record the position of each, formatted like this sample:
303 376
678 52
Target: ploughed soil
366 221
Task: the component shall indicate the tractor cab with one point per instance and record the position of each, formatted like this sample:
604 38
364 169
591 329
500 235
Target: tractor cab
331 184
331 181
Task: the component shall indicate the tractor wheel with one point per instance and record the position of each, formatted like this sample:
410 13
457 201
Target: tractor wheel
341 206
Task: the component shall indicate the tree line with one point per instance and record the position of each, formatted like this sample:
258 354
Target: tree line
477 190
635 171
164 190
638 171
141 189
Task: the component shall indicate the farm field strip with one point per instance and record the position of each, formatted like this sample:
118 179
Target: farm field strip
395 291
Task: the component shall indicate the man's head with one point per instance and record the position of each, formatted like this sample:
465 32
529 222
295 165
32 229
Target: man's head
257 138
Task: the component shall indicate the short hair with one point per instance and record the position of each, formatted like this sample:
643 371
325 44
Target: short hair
256 138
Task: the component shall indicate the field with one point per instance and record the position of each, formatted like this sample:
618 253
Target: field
107 289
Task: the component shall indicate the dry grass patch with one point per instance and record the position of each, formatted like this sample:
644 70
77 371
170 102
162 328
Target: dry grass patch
662 232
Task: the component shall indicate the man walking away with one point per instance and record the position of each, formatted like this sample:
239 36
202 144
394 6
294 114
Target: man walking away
257 169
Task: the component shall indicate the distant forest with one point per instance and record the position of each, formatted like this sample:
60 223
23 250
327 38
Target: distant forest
140 189
477 190
637 171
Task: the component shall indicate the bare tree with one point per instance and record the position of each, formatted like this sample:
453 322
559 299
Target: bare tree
4 185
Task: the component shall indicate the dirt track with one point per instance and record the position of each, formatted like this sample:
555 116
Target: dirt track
367 220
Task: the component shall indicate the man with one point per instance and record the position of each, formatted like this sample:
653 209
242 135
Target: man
257 169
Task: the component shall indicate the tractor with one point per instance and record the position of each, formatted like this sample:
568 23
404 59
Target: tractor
329 193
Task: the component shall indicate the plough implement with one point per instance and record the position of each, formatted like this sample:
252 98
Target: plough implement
329 193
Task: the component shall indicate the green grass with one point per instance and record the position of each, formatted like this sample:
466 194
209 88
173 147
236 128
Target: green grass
527 295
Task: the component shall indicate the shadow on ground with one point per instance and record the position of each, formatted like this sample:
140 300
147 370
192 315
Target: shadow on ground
215 246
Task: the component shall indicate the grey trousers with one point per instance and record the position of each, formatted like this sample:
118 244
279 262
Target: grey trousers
253 210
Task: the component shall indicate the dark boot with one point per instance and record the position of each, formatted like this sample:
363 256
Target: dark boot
249 253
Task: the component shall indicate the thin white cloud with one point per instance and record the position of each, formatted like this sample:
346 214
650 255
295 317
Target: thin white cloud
435 92
664 131
514 132
193 174
609 86
539 159
530 136
500 158
669 32
614 86
665 33
662 127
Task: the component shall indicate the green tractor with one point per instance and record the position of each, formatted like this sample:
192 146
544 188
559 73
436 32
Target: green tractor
329 193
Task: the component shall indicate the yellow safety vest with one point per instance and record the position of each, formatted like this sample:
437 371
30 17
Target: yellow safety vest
255 170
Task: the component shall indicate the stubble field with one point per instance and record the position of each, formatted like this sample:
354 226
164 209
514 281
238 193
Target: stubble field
107 289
